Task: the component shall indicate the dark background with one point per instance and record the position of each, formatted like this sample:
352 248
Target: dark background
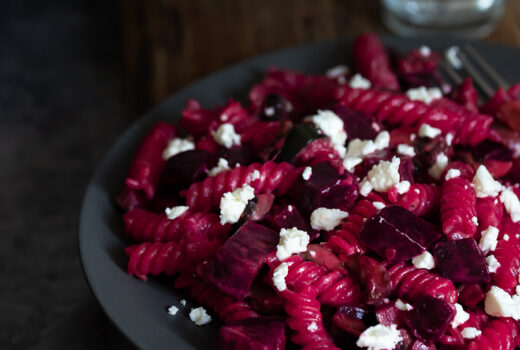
74 74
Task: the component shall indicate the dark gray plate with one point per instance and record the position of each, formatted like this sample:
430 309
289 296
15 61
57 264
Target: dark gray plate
138 308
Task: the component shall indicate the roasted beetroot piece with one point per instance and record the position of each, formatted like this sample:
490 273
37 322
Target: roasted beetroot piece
418 69
509 113
287 217
373 63
388 314
265 299
235 155
323 256
466 95
358 125
470 295
259 207
299 137
260 333
351 319
326 188
461 261
396 234
487 149
130 199
429 319
181 170
274 107
514 173
372 275
239 260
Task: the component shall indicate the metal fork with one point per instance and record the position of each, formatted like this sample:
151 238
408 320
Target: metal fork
474 65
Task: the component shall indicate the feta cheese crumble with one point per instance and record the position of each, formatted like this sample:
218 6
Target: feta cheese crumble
441 162
226 136
232 204
492 263
511 204
484 183
336 71
406 150
359 82
177 146
403 187
470 333
424 261
313 327
401 305
384 175
425 51
429 131
358 148
461 316
452 57
424 94
499 303
279 275
451 174
351 163
379 337
378 205
174 212
332 126
291 241
172 310
255 175
307 173
449 139
199 316
474 220
506 237
326 219
183 302
488 241
222 165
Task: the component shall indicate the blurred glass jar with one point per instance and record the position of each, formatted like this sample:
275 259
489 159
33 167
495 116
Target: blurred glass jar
467 18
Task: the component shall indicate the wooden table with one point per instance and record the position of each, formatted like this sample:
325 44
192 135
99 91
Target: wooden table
169 43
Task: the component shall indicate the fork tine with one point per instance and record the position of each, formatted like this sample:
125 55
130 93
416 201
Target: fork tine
493 75
475 75
451 73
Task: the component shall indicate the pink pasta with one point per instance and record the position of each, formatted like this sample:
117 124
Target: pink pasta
489 212
153 259
148 162
507 254
411 283
274 178
420 199
501 334
458 209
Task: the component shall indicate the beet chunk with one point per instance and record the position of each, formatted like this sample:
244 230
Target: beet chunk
351 319
358 125
326 188
461 261
430 318
260 333
397 234
235 155
181 170
239 260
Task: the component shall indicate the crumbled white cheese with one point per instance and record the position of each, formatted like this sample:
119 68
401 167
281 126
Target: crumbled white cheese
222 165
401 305
177 146
461 316
199 316
232 204
269 111
336 71
424 94
429 131
425 51
291 241
484 183
452 57
378 205
449 139
384 175
492 263
488 240
313 327
499 303
379 337
359 82
332 126
279 275
326 219
358 148
351 163
470 333
474 220
174 212
451 174
307 173
255 175
365 187
172 310
506 237
441 162
406 150
226 136
183 302
511 203
403 187
424 261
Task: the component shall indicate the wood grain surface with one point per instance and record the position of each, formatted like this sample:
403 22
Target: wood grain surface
170 43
